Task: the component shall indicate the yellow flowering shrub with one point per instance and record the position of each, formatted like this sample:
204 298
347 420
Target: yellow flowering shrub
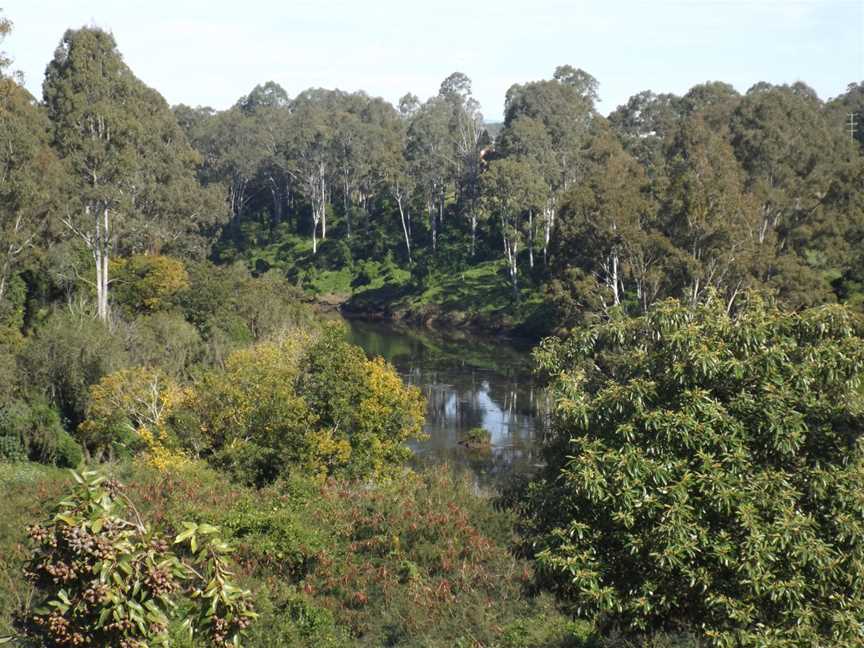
130 410
148 283
310 403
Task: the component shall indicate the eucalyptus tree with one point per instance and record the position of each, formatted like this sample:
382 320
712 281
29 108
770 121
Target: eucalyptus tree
367 134
31 179
93 101
564 106
466 131
605 222
643 124
130 162
263 95
310 154
510 189
848 109
711 219
527 139
431 158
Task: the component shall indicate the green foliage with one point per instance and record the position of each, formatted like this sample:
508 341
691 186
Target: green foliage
68 353
167 341
104 577
402 545
310 404
148 283
706 473
32 430
230 308
476 438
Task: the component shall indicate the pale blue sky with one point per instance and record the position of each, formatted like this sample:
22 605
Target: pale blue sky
209 52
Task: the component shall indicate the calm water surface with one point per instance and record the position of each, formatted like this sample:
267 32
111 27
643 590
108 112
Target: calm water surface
468 382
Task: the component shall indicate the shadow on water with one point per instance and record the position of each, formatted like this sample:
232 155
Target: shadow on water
468 382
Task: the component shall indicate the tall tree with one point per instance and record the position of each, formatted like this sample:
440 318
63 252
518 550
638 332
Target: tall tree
604 224
710 218
310 159
565 108
431 158
129 160
466 130
31 177
512 188
790 152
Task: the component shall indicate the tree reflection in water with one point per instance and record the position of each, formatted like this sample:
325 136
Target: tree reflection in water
468 382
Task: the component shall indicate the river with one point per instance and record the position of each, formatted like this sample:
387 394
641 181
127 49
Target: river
468 382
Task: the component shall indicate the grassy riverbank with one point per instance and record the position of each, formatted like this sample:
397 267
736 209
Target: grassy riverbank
429 292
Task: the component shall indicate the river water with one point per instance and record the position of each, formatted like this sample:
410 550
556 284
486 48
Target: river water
468 382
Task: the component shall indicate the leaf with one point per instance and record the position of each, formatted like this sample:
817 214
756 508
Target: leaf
188 533
206 529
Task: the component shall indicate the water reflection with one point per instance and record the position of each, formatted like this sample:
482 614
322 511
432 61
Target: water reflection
468 382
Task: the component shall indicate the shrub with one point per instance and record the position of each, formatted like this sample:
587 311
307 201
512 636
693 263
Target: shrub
66 355
706 473
104 577
363 405
167 341
254 422
33 431
317 405
148 283
130 410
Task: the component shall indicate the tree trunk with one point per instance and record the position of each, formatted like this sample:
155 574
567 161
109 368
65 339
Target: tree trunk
430 208
106 249
404 228
323 207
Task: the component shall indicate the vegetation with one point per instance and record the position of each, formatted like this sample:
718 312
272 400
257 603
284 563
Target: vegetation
700 257
103 577
706 474
420 561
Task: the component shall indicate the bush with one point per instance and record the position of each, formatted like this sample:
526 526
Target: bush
231 309
103 577
317 405
130 410
167 341
66 355
707 473
148 283
333 255
33 431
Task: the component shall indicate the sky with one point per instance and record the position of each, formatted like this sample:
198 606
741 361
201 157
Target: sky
211 52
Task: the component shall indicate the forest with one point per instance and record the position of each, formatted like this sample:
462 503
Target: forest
192 453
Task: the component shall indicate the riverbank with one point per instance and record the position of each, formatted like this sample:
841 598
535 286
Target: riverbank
431 293
479 300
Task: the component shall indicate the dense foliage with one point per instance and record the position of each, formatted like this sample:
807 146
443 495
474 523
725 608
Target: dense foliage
319 405
707 473
104 577
156 264
420 561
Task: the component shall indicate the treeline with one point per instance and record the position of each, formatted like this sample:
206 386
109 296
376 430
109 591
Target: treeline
667 196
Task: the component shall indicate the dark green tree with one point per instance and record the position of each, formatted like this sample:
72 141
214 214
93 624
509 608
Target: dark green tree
705 475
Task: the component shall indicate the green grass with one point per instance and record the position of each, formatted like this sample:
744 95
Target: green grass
479 296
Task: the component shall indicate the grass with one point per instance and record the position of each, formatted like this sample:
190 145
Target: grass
479 295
